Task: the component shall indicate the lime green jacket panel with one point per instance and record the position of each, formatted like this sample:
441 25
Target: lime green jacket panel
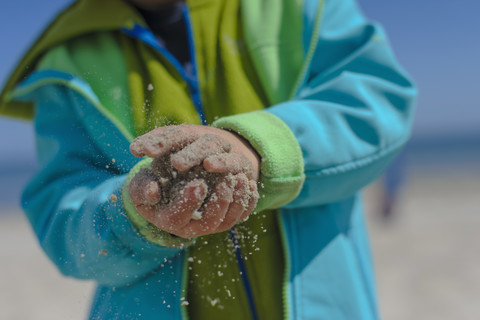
98 60
274 37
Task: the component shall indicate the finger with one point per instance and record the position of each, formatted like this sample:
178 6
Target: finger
194 154
147 212
239 204
138 145
144 189
152 193
252 201
228 163
162 141
179 212
214 212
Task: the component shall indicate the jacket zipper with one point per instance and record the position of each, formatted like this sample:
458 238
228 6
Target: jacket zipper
194 83
146 36
243 273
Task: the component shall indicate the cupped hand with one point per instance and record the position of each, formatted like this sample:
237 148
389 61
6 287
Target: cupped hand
190 145
196 210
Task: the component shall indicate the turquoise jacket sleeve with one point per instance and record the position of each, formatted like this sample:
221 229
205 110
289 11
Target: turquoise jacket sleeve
75 205
354 110
350 115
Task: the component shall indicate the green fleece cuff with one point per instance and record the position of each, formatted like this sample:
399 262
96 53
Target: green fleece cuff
145 228
281 169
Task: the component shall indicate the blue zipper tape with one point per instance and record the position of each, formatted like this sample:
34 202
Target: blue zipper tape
145 35
243 273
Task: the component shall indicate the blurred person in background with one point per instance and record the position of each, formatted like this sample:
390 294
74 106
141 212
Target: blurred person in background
392 183
292 108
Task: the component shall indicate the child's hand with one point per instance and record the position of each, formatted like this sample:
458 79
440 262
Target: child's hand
197 209
218 150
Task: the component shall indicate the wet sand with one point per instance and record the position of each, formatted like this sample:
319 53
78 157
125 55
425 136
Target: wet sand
427 257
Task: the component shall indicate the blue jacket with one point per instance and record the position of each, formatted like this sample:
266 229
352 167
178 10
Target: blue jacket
350 113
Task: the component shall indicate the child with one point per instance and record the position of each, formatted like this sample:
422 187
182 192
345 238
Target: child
257 215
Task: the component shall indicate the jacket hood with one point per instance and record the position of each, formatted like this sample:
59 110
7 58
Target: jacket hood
80 18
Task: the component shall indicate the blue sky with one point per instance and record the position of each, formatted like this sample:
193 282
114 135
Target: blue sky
436 41
439 44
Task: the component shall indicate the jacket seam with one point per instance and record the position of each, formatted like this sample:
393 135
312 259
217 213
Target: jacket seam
311 50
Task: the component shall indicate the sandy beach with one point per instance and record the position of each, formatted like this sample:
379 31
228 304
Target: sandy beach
426 257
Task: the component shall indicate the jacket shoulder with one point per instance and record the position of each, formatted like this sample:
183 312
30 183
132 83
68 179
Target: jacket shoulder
83 17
